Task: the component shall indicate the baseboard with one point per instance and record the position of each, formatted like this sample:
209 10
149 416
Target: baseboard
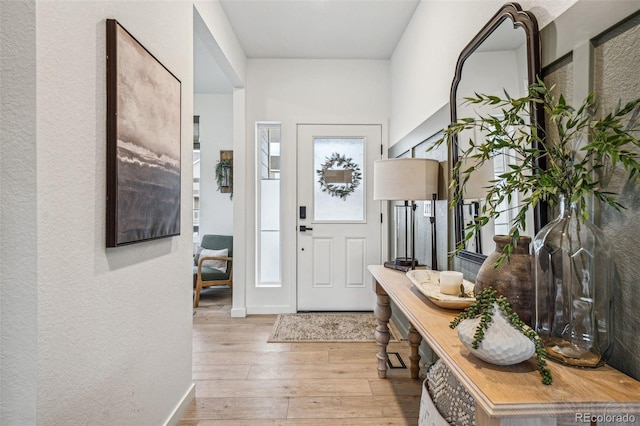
270 310
181 408
238 312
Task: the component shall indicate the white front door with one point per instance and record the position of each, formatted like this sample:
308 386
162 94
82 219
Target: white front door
342 222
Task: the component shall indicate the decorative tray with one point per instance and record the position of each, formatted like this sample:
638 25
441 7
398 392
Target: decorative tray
428 282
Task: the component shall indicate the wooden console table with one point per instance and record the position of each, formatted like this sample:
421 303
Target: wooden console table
504 395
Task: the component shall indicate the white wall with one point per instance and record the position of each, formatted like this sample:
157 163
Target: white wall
18 203
112 327
216 134
423 63
227 50
302 91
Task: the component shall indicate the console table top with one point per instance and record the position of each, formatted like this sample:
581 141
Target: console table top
504 391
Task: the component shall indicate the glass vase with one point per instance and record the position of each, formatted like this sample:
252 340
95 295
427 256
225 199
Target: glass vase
573 274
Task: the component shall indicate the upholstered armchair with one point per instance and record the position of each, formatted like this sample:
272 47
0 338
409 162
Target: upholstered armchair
213 264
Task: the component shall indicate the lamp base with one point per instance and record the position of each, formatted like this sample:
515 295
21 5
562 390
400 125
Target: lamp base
402 264
405 261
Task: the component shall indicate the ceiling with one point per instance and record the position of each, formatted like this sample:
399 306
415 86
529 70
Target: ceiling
306 29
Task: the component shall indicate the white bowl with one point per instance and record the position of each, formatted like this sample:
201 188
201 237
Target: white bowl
428 283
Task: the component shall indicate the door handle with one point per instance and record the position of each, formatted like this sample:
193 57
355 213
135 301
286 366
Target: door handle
303 228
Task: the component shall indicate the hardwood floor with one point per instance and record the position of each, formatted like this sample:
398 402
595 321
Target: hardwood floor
243 380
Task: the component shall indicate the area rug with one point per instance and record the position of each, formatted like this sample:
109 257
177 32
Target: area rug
324 327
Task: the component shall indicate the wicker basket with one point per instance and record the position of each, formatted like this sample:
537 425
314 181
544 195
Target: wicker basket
444 400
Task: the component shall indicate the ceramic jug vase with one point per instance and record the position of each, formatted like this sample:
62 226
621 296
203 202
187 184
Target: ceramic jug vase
513 279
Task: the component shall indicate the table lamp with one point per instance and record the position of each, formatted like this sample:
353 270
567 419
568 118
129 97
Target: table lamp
408 180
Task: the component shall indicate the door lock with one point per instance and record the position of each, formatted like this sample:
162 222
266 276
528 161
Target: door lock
303 228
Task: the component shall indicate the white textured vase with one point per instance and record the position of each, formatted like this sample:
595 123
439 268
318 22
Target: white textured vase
503 344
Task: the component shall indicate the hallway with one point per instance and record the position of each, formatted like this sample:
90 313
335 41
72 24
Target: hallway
243 380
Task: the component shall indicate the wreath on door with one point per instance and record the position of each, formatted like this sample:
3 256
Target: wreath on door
339 162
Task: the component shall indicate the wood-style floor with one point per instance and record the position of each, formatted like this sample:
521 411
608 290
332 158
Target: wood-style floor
243 380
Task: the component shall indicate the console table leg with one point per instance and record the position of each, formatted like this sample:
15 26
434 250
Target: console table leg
414 340
382 312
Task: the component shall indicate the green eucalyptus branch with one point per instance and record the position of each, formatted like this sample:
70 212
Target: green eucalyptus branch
483 307
583 145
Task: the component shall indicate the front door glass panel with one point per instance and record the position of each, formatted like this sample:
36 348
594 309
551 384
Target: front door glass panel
339 180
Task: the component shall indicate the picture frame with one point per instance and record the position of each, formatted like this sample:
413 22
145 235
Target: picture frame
143 142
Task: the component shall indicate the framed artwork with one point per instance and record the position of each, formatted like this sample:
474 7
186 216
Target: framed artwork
143 143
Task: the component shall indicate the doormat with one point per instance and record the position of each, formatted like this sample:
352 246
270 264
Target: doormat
325 328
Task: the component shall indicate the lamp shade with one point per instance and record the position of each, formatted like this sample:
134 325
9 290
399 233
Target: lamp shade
405 179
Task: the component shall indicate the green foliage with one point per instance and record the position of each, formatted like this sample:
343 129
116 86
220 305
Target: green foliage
340 190
483 308
582 145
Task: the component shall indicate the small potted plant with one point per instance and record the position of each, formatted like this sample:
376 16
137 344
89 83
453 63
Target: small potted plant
224 176
492 331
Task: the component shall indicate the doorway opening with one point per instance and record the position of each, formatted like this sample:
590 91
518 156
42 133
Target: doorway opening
213 145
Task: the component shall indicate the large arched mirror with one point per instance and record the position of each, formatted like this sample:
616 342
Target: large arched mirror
504 56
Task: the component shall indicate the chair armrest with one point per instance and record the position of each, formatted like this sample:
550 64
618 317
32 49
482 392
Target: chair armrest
225 258
203 258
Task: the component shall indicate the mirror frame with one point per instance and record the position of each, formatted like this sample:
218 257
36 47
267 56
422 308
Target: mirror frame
527 21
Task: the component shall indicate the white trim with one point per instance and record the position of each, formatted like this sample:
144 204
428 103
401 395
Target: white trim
271 310
181 408
239 302
238 312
